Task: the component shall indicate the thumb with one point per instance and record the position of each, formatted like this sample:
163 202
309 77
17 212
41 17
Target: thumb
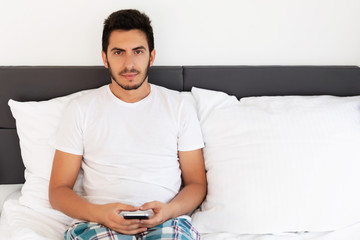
149 205
127 207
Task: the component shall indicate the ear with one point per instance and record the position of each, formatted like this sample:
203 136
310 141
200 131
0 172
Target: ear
152 57
104 58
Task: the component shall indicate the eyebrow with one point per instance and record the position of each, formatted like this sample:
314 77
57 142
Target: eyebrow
140 47
123 50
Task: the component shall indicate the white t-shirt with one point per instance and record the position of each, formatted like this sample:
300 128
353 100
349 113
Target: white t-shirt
130 150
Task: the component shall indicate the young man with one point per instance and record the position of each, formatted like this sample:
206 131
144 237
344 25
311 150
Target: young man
134 141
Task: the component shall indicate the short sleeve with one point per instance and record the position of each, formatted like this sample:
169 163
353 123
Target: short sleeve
190 136
69 135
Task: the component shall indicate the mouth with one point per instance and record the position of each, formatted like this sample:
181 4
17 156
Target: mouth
129 76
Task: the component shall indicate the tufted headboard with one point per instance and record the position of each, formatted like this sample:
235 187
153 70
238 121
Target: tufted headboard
43 83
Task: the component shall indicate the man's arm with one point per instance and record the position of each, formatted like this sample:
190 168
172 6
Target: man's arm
64 173
194 191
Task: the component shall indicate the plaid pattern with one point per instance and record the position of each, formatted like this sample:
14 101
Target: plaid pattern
176 229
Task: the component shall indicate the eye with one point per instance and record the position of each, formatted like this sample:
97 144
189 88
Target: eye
117 52
138 52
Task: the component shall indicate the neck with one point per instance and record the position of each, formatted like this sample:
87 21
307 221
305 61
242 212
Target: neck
130 96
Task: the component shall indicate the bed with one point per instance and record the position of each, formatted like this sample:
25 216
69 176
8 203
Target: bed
40 93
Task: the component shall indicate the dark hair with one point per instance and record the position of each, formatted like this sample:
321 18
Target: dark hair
127 19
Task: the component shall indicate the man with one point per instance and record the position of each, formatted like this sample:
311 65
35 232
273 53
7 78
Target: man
134 141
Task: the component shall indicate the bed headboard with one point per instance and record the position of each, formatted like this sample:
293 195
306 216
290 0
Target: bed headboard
43 83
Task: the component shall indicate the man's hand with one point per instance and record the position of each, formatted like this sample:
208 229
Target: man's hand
161 213
108 215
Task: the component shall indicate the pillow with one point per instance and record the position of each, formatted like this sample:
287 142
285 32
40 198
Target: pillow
280 164
36 123
208 100
188 97
6 190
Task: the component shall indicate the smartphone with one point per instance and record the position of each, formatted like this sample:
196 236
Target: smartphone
137 214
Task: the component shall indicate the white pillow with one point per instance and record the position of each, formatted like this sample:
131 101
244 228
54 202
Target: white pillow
6 190
189 98
36 123
208 100
280 164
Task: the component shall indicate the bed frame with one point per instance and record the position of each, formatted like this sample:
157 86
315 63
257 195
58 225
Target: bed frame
43 83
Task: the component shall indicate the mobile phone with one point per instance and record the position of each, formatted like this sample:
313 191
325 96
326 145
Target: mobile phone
137 214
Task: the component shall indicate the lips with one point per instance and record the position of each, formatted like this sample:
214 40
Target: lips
129 76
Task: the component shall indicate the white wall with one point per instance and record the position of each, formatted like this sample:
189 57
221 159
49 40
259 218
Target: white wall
187 32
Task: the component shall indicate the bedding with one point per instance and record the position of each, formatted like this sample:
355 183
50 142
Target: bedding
6 190
36 124
18 223
300 153
263 91
21 222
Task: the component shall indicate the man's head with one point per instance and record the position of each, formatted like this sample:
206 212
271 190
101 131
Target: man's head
128 48
128 19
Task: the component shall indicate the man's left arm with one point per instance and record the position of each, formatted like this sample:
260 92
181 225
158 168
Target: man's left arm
191 195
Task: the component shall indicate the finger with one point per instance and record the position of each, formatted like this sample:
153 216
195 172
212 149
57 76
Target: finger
149 224
154 221
119 220
130 222
149 205
121 207
127 207
146 223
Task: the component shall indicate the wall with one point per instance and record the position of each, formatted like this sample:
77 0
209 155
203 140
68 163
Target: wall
187 32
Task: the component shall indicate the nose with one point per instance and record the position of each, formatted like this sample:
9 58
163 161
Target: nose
129 62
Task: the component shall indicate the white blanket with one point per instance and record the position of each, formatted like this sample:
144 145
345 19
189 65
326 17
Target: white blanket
348 233
19 223
22 223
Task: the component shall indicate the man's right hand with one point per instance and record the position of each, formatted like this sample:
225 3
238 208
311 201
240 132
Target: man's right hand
109 216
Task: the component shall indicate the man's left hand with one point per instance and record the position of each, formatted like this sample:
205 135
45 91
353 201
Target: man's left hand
162 213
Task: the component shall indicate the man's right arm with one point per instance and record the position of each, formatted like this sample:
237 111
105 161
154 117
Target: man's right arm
64 173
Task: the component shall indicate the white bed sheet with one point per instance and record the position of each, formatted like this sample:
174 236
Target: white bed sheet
19 222
347 233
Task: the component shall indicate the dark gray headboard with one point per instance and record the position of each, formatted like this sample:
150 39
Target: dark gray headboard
43 83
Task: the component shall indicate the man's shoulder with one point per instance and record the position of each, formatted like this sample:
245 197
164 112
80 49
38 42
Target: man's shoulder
164 89
167 93
178 99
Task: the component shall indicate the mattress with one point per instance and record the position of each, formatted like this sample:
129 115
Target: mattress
19 222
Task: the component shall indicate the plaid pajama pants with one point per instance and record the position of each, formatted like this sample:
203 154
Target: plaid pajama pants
176 229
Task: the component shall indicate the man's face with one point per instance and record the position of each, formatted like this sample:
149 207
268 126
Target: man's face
128 58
